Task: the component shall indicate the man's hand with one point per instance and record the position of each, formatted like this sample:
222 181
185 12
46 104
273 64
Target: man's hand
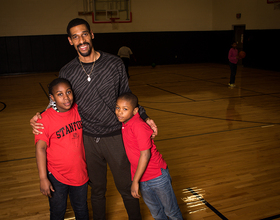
153 126
35 125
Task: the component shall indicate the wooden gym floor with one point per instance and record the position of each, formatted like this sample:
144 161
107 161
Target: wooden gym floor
222 145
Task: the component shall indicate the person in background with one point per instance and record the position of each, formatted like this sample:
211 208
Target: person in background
125 54
233 59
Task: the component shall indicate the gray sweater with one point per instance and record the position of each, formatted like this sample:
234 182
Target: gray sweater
96 99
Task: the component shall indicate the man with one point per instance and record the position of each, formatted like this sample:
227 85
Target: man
97 80
124 53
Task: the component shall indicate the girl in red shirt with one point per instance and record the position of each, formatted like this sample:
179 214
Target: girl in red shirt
233 59
60 154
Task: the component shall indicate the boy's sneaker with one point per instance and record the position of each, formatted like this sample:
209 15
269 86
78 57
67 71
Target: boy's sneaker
231 85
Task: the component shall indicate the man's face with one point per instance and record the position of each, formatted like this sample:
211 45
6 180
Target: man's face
81 39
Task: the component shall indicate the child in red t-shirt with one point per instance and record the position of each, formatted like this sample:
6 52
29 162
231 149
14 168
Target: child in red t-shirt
149 171
60 154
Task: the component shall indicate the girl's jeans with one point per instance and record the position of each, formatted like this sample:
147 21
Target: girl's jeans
233 69
58 201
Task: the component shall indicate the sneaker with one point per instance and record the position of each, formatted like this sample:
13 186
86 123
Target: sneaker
231 85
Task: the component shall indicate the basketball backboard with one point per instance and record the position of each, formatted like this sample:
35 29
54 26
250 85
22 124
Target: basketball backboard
106 11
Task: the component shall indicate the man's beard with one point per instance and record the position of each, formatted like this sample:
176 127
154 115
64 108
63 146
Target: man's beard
86 53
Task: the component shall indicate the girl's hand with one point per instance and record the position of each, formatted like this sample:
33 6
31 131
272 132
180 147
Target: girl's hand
46 187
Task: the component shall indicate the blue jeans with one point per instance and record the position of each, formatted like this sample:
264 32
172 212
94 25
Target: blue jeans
58 202
159 196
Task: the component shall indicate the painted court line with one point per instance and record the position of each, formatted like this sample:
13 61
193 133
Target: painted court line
272 217
207 204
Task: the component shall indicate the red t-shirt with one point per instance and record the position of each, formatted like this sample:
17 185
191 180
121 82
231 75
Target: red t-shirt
137 137
65 148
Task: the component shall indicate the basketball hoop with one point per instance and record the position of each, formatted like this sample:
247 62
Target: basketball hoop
115 23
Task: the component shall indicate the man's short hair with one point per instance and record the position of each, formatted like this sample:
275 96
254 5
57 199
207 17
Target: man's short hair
75 22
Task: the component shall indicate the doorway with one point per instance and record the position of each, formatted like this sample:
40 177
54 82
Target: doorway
239 38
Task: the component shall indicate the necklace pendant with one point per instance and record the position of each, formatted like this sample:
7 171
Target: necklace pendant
88 79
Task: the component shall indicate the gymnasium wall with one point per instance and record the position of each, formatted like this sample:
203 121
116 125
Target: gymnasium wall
49 17
33 39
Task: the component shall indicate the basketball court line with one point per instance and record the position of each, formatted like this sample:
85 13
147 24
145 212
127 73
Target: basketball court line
4 106
217 99
44 90
26 158
208 117
147 72
207 204
214 132
272 217
171 92
204 80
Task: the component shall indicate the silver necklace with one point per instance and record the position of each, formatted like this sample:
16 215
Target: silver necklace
88 75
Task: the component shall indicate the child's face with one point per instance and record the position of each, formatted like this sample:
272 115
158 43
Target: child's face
124 110
63 96
234 45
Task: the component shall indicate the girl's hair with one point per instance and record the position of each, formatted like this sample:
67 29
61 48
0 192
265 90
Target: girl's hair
130 97
57 81
51 85
75 22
